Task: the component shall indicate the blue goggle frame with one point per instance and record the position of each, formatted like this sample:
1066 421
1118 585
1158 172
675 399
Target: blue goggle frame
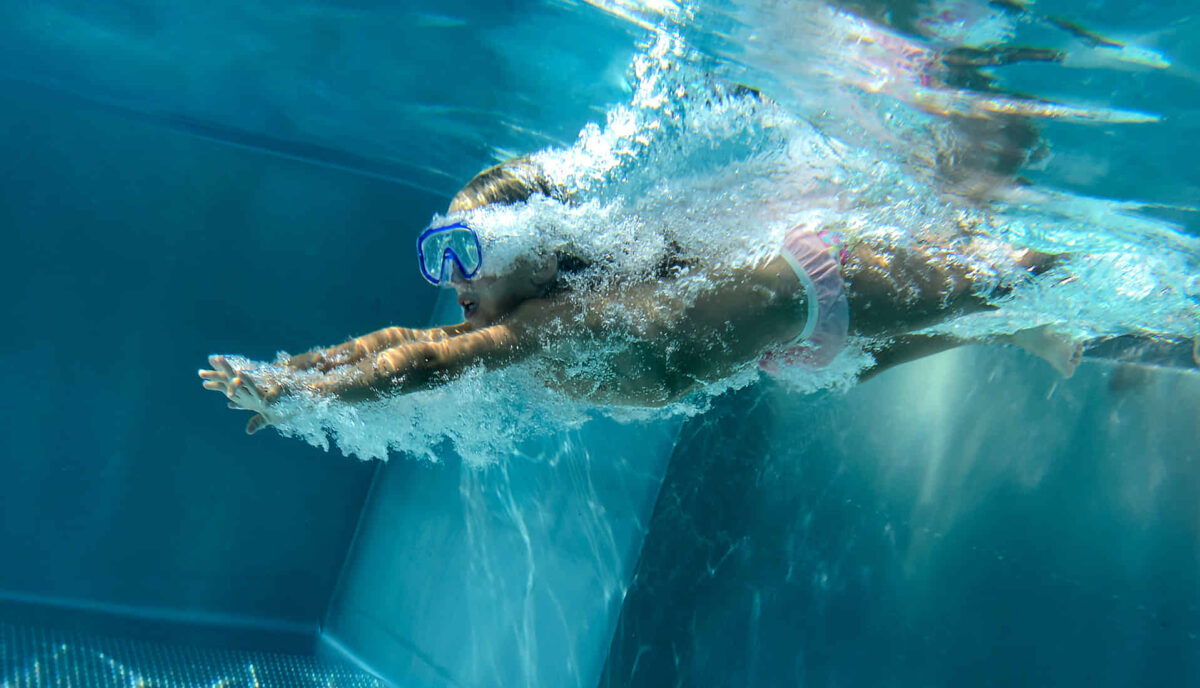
437 246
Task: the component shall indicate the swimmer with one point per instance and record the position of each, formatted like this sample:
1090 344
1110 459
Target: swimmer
797 308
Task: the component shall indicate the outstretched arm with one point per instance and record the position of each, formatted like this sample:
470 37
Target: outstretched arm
365 367
416 365
678 341
359 348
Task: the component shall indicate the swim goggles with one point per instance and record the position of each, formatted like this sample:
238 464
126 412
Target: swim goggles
441 249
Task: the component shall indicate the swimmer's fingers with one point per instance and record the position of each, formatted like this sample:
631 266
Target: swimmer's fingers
235 383
258 422
214 381
224 373
252 393
221 365
234 388
254 388
223 378
242 393
212 376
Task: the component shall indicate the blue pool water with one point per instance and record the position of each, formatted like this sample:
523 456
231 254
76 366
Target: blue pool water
182 179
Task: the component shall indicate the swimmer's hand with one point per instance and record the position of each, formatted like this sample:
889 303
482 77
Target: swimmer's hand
243 391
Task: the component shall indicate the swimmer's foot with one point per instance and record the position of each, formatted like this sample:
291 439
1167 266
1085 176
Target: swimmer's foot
1035 262
1059 350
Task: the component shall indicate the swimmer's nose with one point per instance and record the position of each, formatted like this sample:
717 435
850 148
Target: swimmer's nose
456 276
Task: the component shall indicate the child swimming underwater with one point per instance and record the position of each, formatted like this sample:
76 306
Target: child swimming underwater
796 308
873 244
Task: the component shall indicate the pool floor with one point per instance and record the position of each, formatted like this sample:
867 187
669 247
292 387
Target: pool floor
33 657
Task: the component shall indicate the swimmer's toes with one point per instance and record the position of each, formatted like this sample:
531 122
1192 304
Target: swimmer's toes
1064 353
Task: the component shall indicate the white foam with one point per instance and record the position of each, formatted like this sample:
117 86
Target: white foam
483 416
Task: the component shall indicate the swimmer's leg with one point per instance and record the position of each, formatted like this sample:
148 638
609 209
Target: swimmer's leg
1061 352
900 289
1174 353
999 55
894 290
907 348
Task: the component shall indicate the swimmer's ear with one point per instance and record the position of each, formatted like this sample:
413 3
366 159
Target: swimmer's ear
545 271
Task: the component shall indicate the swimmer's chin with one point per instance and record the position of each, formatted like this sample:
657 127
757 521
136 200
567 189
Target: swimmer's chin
476 318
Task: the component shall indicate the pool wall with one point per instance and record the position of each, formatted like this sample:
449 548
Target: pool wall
513 574
126 491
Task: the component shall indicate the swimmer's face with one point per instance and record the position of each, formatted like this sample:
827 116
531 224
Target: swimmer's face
486 300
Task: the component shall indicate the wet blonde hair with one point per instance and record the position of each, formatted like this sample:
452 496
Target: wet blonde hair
514 181
520 179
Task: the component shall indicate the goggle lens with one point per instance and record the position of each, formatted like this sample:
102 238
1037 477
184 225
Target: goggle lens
441 249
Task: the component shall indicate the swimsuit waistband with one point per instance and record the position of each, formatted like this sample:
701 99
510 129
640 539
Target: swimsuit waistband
817 258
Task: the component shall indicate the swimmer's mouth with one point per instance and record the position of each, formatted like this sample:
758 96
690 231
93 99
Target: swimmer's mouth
468 305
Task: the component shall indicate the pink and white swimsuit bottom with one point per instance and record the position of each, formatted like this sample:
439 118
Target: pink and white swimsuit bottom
817 258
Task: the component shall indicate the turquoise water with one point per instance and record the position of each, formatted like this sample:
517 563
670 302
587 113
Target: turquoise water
247 177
